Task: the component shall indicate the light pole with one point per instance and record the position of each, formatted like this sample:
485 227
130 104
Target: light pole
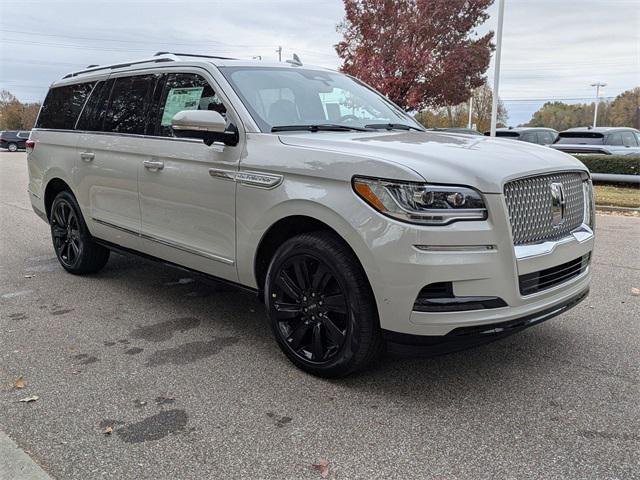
470 111
496 72
595 110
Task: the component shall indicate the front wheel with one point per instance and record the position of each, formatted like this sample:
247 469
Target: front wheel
75 249
321 308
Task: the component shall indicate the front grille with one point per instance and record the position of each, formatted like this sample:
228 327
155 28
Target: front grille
550 277
529 202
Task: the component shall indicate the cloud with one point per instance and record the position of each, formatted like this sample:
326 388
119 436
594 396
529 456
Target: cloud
551 49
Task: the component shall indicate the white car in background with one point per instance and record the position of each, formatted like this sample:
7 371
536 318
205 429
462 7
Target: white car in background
356 226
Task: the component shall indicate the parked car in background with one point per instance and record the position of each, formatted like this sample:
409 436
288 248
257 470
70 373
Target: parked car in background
14 140
354 225
539 135
599 140
466 131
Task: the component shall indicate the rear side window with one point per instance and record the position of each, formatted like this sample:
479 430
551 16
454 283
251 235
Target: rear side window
62 106
129 103
95 109
580 138
186 91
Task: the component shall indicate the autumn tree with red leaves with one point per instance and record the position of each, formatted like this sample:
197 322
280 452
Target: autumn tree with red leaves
419 53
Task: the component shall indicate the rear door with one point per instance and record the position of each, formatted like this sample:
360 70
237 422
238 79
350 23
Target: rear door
110 148
187 192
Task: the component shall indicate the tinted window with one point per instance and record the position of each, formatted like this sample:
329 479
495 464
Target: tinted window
62 106
529 137
128 104
580 138
94 111
614 139
505 133
545 138
185 91
628 139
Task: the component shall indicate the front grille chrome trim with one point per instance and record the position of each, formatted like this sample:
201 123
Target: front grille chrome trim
581 234
534 217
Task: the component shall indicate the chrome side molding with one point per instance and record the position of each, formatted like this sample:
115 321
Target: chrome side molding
248 178
168 243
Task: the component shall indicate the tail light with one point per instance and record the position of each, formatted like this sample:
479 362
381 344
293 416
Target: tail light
30 145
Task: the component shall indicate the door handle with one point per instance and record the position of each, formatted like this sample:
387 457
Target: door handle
87 156
153 165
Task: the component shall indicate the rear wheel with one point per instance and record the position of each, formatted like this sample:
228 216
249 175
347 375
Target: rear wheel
12 147
321 308
74 247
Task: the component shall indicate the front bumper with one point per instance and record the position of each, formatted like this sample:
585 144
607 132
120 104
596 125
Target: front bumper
466 337
479 259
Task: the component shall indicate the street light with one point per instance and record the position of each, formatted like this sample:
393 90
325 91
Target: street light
496 72
595 110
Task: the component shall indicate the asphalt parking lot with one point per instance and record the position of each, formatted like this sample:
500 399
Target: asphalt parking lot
186 374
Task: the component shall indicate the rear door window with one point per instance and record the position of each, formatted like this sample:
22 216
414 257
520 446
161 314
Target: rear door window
614 139
127 111
95 109
185 91
62 106
529 137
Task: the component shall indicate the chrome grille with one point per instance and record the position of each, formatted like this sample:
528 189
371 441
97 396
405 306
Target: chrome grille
529 202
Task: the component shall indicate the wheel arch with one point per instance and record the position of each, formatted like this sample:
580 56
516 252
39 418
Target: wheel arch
288 227
54 186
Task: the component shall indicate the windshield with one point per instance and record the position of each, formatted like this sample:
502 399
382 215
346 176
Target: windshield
580 138
278 97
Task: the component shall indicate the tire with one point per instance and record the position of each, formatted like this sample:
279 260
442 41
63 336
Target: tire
320 305
12 147
72 242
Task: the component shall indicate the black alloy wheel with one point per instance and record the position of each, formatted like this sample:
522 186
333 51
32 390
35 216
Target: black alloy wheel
66 234
76 250
321 307
310 308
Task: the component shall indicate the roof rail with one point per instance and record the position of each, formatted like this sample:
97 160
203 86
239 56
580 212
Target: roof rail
96 68
194 55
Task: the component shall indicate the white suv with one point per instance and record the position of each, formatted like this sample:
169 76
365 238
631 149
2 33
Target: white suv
357 227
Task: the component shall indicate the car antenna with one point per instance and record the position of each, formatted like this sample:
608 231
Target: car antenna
295 61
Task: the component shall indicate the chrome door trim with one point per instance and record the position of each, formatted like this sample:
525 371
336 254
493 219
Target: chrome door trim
223 174
168 243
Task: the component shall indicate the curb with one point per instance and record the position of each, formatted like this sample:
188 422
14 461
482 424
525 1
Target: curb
608 208
15 464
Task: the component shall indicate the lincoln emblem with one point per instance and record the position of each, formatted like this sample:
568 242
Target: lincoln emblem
558 204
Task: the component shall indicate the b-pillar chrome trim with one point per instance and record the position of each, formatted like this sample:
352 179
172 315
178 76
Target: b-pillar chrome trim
248 178
168 243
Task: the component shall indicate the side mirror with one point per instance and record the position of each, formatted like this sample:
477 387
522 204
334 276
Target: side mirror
207 125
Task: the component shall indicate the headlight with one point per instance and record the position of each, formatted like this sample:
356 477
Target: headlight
420 202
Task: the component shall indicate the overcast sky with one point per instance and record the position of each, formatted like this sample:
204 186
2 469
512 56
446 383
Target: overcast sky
552 49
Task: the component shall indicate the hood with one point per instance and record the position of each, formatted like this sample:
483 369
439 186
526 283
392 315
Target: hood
481 162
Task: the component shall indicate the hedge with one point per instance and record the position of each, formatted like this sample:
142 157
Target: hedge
619 164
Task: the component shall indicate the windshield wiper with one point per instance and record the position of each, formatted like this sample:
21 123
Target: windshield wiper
393 126
325 127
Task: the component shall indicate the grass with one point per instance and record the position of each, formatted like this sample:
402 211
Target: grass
616 196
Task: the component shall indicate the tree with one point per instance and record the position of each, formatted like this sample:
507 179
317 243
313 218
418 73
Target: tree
15 115
417 52
625 109
458 115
